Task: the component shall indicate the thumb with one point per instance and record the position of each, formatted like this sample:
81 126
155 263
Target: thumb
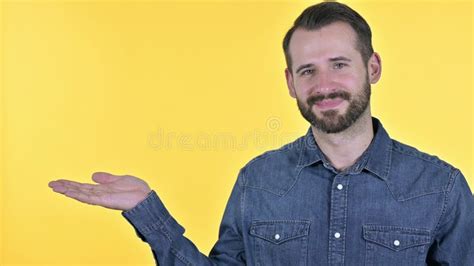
103 177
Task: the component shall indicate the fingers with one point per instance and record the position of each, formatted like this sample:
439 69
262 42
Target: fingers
84 197
86 193
103 177
62 186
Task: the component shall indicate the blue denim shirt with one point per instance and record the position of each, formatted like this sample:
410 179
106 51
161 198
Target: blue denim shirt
394 206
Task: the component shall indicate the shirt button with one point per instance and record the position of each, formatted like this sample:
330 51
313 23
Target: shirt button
277 236
396 243
337 235
339 186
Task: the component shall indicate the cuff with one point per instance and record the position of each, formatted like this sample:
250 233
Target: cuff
150 215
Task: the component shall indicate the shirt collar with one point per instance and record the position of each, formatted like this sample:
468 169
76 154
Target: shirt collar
375 159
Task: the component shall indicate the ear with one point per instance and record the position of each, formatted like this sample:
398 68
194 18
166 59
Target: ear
289 82
374 67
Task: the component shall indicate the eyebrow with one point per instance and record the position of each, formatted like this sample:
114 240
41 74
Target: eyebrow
339 58
303 66
333 59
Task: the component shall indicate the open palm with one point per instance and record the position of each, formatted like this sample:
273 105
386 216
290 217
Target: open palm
112 191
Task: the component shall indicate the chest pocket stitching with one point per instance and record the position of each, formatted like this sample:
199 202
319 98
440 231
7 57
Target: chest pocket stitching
285 229
386 235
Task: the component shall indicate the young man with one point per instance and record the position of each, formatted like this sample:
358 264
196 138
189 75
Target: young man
345 193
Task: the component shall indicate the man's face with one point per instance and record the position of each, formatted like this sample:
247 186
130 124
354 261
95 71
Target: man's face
329 79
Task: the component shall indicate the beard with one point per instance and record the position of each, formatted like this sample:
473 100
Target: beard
331 121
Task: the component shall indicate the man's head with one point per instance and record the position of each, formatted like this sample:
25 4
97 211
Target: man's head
331 65
317 16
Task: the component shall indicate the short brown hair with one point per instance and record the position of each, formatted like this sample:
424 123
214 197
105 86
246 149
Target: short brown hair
325 13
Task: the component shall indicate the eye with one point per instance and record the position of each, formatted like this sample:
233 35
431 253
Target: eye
339 65
306 72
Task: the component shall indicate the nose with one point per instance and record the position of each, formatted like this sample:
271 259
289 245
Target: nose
323 83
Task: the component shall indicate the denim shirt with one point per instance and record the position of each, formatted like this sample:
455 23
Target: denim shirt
395 206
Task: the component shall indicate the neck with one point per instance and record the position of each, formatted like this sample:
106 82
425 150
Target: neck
344 148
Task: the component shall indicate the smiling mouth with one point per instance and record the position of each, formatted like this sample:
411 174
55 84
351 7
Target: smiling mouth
328 103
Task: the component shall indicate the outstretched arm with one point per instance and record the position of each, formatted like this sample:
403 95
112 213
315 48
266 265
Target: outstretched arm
142 207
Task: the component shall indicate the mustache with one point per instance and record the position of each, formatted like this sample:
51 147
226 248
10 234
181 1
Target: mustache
337 94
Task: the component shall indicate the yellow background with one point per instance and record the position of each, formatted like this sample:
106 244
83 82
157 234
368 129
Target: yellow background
151 88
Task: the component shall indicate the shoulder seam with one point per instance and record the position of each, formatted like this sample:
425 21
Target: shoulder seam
439 163
265 154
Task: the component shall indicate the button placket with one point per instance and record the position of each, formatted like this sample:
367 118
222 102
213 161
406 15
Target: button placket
338 218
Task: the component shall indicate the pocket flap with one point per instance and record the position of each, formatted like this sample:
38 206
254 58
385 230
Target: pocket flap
395 237
279 231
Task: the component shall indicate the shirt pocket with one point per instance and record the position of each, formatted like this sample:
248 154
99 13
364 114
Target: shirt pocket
280 242
394 245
